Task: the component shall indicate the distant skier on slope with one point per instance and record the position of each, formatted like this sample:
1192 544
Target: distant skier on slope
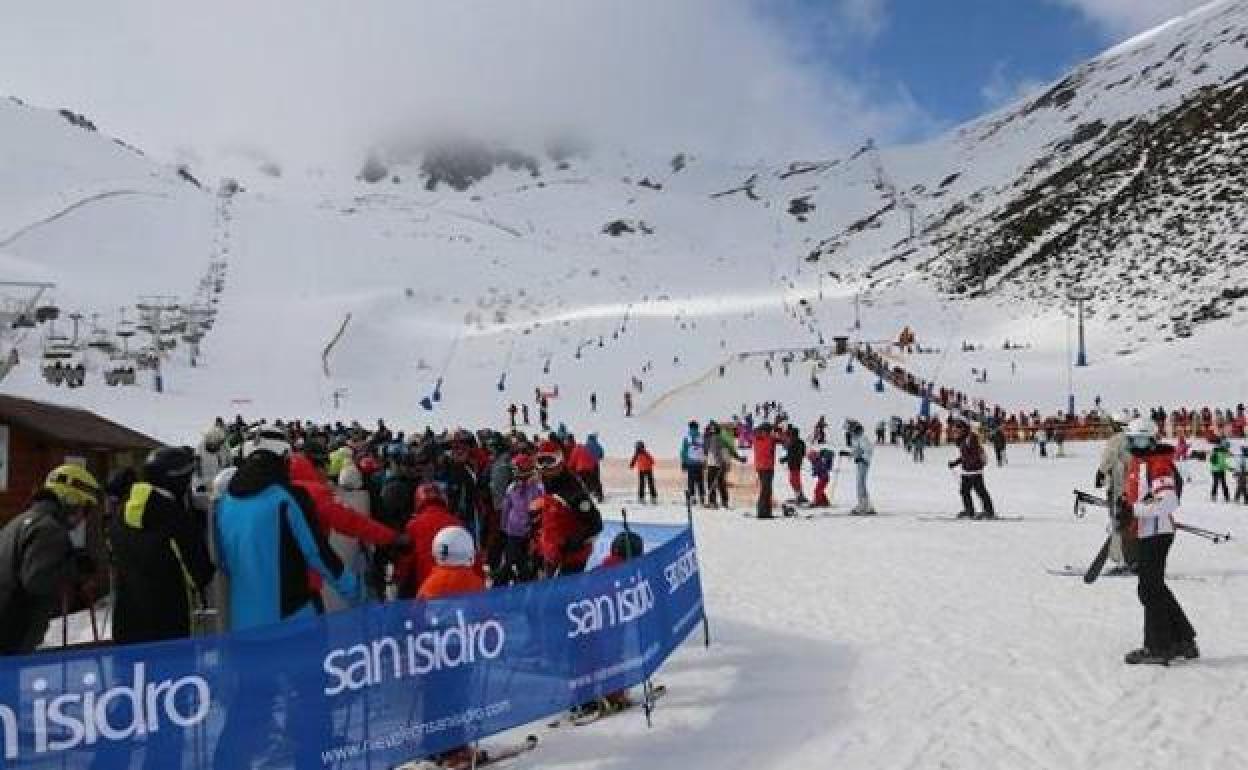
1149 501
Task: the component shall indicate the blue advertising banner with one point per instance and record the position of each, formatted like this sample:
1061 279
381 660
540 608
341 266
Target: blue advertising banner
371 687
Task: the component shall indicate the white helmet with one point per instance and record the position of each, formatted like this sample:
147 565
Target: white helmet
267 440
221 484
453 547
1141 432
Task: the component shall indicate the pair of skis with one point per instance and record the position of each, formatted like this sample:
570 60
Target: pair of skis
603 709
1083 499
483 758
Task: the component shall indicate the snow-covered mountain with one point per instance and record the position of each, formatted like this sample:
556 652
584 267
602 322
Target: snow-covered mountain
497 271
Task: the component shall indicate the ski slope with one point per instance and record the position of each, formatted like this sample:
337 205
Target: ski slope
837 642
899 643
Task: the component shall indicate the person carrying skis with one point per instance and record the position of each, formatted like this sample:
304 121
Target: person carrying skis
643 461
1150 499
693 461
765 467
795 454
1110 475
971 460
1219 465
860 450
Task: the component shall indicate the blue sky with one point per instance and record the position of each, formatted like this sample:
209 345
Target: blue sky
956 59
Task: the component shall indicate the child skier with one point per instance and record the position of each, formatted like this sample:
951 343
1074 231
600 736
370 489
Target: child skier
454 554
643 461
821 463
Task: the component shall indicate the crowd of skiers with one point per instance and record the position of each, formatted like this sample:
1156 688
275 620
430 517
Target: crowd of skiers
295 518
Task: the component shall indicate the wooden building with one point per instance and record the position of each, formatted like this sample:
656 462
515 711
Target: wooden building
36 437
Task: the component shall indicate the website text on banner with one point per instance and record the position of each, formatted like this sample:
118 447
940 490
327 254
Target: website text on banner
370 687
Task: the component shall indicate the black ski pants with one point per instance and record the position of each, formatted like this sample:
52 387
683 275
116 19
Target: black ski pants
1165 624
764 493
696 487
717 484
1219 482
1241 488
975 482
646 479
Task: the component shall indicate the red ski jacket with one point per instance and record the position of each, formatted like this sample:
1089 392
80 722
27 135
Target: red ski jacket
331 515
414 567
764 452
581 460
558 537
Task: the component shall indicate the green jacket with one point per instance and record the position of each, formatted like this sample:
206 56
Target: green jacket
1220 460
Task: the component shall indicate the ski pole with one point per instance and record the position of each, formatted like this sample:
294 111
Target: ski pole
1215 537
647 689
706 623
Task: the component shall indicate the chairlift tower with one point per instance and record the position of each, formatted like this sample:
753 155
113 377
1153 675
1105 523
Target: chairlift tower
1080 295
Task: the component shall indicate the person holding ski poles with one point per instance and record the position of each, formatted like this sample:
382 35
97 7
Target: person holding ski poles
1150 499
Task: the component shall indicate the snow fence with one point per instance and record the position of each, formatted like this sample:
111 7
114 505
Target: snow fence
366 688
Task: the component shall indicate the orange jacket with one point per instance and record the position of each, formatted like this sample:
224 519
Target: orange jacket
643 461
451 581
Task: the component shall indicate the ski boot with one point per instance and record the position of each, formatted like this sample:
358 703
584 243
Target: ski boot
1187 650
966 515
1145 656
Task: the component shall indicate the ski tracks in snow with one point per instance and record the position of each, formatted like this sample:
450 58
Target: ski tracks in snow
7 239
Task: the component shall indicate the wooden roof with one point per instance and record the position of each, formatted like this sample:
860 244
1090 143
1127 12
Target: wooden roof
71 427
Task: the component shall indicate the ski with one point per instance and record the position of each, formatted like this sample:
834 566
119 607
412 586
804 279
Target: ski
1076 571
998 517
484 758
603 710
1098 562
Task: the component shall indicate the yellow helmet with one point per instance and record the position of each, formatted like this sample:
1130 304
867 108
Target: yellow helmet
73 485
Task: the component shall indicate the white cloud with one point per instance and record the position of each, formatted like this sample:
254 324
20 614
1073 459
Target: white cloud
1003 88
304 79
1126 17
